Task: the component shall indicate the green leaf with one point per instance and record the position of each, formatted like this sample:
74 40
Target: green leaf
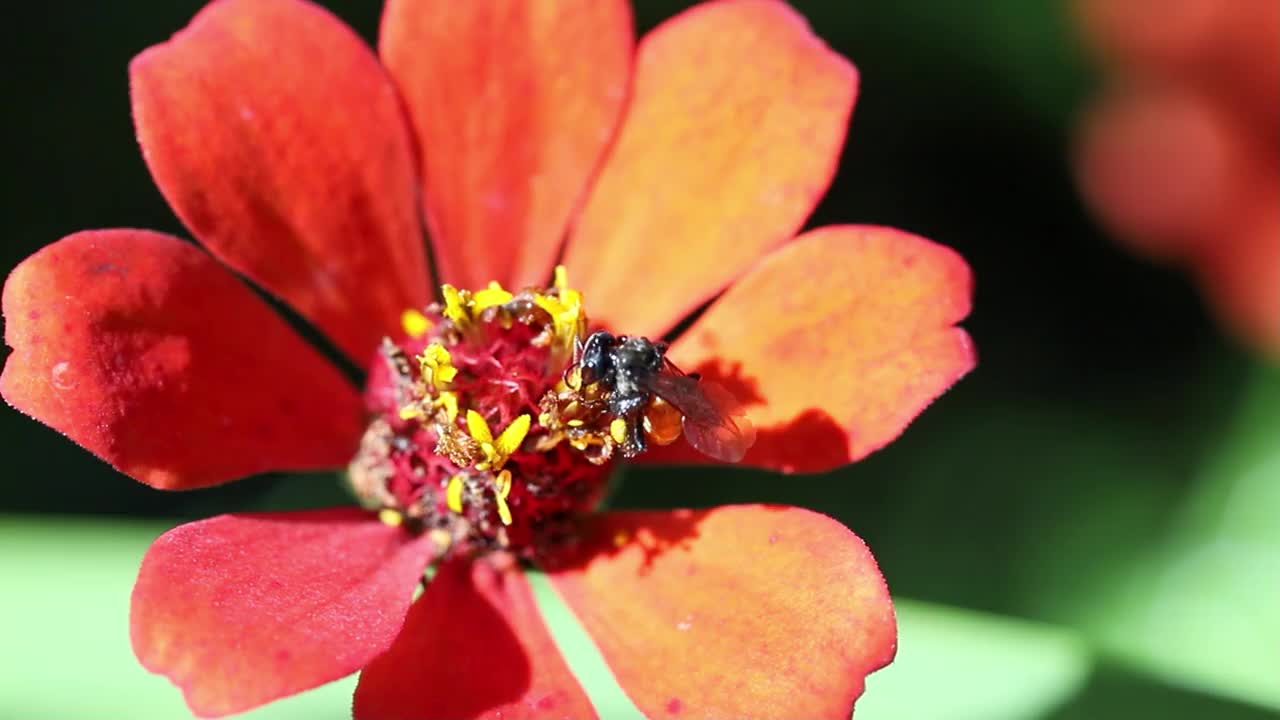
1202 608
1116 691
581 653
957 664
66 642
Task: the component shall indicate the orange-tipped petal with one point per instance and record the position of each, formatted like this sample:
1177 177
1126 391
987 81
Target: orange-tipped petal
239 610
513 103
278 139
833 344
736 121
148 353
474 646
734 612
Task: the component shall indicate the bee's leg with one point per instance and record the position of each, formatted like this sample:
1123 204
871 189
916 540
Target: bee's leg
636 441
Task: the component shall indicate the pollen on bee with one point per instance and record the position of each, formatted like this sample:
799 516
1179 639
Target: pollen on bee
618 430
662 422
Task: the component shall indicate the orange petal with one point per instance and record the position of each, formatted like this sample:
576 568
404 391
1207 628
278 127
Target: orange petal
277 138
473 646
834 344
737 117
513 103
148 353
744 611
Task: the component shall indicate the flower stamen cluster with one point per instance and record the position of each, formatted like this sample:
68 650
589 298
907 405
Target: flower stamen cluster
482 431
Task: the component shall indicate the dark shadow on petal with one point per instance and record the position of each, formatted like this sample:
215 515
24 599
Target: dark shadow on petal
729 375
812 442
616 532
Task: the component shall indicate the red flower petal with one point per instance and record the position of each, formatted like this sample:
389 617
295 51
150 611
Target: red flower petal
834 344
239 610
745 611
474 646
1240 268
151 355
279 141
1162 168
513 103
734 130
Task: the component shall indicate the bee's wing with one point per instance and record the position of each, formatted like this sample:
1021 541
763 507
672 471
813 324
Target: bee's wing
714 423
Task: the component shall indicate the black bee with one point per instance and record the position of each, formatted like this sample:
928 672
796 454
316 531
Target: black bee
634 370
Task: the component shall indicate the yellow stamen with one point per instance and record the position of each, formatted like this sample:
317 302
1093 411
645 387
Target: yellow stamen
453 493
489 297
496 451
410 412
569 322
455 304
478 428
501 489
415 323
436 365
509 441
449 401
390 517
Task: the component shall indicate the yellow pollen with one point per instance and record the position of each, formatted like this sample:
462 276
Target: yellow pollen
453 493
501 489
620 538
415 323
410 412
618 430
390 517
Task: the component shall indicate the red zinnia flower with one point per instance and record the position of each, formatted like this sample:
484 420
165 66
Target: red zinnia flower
677 168
1179 156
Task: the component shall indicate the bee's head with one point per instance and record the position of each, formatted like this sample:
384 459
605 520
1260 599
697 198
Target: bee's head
596 358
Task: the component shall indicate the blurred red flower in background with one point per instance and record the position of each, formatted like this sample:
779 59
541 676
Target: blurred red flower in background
676 167
1180 155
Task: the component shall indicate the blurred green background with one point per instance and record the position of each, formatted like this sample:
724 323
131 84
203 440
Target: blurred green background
1086 527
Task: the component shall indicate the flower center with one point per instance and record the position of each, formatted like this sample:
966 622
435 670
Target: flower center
496 418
